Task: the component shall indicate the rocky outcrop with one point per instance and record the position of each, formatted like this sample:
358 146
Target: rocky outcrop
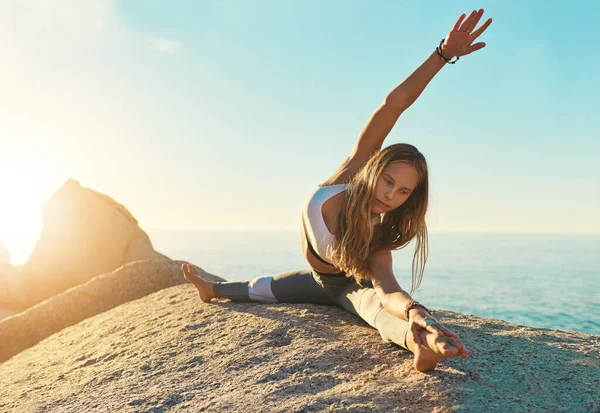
4 255
4 313
130 282
84 234
171 352
11 293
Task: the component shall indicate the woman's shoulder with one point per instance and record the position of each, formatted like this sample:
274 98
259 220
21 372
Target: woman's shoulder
346 171
330 182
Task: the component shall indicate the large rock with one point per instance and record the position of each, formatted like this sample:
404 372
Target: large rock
4 313
11 292
171 352
106 291
4 255
84 234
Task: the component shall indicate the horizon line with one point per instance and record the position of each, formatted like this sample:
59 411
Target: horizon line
274 229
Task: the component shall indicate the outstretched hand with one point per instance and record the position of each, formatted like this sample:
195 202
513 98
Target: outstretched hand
418 318
459 40
418 321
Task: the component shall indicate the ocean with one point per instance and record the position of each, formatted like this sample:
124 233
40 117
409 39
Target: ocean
536 280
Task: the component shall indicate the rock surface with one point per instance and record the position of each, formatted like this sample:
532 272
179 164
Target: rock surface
169 351
11 295
84 234
106 291
4 313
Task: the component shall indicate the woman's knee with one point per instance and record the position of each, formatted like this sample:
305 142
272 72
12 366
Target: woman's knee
289 287
299 287
259 289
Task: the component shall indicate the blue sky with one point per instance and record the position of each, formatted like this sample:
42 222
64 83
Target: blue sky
225 114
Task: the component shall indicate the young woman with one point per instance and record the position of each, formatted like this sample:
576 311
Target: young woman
373 204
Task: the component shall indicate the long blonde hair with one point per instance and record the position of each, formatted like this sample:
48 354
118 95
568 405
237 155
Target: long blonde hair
354 244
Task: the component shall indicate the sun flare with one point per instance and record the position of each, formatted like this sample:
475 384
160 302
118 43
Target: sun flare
20 220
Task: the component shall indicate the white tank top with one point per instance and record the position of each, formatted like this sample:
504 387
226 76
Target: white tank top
316 231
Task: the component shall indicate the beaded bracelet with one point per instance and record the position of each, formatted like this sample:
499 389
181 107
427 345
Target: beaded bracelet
413 304
439 52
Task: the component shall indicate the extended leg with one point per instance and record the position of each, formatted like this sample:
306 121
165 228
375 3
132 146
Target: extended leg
365 303
289 287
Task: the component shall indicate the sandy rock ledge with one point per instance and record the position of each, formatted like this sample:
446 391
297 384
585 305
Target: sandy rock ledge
168 351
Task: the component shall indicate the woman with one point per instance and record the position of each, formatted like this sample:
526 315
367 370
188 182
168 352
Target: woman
374 203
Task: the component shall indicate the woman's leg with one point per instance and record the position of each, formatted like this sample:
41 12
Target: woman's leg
365 303
288 287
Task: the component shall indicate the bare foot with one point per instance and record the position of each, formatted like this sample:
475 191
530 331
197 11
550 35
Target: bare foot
205 288
436 348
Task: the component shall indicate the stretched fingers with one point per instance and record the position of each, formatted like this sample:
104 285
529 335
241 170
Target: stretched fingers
465 25
447 332
482 28
458 22
434 328
474 47
473 23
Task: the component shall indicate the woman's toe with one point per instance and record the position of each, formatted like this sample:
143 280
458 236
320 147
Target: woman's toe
456 343
187 269
447 349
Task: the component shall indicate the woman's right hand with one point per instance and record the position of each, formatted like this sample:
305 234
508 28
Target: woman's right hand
419 316
417 321
459 40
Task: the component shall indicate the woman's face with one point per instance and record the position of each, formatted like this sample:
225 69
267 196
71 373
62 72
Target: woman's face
394 186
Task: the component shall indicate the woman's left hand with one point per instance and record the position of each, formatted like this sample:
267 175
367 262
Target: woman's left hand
459 39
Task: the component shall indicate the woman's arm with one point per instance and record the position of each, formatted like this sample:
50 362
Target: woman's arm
458 42
397 101
407 92
393 298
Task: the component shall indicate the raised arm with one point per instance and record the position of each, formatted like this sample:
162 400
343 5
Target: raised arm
397 101
458 43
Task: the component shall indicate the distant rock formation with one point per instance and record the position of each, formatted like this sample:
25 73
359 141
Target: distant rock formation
84 234
11 293
171 352
106 291
4 255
